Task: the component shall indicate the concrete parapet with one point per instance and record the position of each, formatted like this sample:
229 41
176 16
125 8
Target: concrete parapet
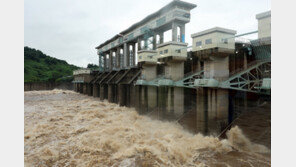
147 56
172 48
174 70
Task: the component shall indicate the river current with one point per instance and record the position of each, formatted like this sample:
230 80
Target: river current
65 128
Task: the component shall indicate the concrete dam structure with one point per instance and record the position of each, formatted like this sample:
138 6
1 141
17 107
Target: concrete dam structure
204 89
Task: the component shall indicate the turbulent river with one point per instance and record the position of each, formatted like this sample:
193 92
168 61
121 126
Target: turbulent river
64 128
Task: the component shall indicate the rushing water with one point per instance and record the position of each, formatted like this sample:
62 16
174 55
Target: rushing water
64 128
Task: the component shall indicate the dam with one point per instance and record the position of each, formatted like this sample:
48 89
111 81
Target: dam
204 87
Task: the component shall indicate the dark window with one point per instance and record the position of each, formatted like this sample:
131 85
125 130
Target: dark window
165 51
198 43
224 40
160 52
208 41
120 40
187 15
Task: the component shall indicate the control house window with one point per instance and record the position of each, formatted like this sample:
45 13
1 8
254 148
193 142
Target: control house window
199 43
224 40
208 41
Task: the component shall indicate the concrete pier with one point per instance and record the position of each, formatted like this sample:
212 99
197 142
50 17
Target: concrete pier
112 93
96 90
103 92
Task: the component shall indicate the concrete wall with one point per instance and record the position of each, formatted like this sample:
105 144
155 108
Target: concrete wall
83 77
149 72
82 71
174 70
48 86
218 68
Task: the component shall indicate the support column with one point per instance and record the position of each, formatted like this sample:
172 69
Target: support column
199 67
81 88
201 110
121 95
128 56
151 98
114 59
182 33
125 54
84 88
154 42
100 61
105 62
134 55
110 60
110 93
143 100
102 92
139 44
170 100
174 32
121 58
217 101
146 44
161 38
178 101
118 57
95 90
245 61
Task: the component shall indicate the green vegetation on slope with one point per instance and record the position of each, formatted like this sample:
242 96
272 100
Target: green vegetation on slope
42 68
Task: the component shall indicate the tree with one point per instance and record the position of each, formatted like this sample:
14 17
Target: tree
92 66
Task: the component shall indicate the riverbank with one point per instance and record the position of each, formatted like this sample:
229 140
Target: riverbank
64 128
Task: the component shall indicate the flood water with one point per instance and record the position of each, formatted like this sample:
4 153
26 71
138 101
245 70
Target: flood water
65 128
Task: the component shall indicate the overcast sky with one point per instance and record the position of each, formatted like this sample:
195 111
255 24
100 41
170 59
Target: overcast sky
71 29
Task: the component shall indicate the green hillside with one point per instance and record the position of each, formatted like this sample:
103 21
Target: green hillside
42 68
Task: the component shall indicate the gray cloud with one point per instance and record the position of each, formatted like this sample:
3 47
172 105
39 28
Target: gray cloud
71 29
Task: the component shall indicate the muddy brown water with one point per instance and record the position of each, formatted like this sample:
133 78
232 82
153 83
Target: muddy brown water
64 128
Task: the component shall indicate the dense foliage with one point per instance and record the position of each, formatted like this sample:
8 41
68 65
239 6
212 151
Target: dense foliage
92 66
42 68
